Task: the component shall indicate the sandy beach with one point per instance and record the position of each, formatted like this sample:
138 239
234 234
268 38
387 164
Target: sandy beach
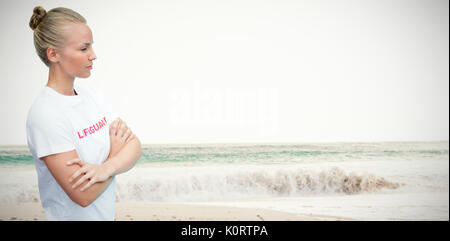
168 212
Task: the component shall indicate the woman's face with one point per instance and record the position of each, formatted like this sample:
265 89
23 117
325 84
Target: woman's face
77 54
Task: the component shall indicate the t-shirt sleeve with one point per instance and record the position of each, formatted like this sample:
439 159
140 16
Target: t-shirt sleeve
49 135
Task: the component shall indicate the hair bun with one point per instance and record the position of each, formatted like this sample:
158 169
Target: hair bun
38 14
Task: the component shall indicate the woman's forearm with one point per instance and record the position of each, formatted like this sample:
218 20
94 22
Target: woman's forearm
93 192
125 159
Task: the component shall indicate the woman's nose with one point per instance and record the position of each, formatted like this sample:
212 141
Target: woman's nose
93 56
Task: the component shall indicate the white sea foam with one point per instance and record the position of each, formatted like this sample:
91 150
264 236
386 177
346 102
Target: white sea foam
211 183
241 182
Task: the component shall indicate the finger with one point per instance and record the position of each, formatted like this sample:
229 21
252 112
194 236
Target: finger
112 129
123 127
130 138
75 161
88 175
126 135
89 184
124 131
120 133
75 175
80 171
119 123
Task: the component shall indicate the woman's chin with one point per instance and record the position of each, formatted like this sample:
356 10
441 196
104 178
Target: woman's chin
84 75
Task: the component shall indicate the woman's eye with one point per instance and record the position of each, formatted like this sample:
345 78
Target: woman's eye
84 49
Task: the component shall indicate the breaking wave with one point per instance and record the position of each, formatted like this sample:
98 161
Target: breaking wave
214 184
222 184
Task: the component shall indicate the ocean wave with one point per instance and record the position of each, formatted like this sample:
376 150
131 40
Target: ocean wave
220 184
215 183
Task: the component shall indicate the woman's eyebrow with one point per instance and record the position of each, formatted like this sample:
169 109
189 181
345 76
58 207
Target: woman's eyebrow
87 44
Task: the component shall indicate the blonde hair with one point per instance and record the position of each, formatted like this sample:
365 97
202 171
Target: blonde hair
47 28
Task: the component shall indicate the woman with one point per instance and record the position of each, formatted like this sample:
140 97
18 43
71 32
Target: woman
78 143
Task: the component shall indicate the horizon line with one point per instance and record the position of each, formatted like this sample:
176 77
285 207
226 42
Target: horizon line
261 143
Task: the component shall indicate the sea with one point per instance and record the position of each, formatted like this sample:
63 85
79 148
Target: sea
360 181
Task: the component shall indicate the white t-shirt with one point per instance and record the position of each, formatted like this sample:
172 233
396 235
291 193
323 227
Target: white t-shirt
59 123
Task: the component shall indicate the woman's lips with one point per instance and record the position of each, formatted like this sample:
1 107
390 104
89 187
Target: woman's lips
89 67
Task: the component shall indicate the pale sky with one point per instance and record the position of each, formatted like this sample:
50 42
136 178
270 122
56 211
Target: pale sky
240 71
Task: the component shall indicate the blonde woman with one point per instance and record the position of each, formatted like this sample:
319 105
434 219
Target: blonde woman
77 141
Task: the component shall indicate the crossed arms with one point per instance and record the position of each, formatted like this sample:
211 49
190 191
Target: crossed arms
71 173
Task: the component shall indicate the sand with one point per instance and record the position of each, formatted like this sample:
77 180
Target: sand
168 212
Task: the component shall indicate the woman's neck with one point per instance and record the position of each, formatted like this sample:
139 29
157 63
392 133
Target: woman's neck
60 81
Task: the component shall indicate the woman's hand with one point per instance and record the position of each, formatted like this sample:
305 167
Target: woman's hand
93 173
119 135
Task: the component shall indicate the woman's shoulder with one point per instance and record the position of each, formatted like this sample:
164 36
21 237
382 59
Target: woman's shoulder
43 110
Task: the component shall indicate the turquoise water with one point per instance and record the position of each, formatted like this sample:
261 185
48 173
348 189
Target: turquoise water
265 153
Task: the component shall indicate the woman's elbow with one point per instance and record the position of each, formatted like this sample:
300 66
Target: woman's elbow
83 201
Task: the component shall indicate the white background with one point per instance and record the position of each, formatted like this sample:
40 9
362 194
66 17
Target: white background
250 71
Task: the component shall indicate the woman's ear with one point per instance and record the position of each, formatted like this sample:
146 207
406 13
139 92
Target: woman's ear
52 54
